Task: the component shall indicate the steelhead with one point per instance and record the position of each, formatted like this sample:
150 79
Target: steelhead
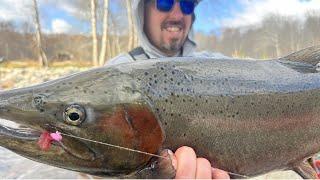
248 117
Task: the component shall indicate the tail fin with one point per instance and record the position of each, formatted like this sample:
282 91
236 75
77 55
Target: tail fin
310 55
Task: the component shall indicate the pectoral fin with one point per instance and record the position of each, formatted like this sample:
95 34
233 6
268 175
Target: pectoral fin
160 168
305 170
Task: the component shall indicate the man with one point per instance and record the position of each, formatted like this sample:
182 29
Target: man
164 30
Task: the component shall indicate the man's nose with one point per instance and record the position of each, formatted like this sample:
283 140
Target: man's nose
176 11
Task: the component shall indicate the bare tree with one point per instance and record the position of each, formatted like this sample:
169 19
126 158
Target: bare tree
130 26
104 39
41 55
116 48
94 33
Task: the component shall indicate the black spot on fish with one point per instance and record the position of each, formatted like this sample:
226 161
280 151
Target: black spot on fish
146 73
184 134
41 110
165 75
58 87
85 91
173 72
63 83
76 87
155 81
161 68
171 114
47 91
92 92
165 123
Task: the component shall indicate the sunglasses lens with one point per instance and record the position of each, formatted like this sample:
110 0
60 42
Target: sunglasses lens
187 6
165 5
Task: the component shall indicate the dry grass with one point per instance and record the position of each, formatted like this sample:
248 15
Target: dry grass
55 64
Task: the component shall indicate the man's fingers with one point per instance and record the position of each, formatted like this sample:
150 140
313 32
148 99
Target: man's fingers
219 174
203 169
187 159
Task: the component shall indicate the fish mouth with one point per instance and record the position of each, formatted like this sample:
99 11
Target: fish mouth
14 131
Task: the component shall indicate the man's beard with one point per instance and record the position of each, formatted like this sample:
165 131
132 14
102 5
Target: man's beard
174 46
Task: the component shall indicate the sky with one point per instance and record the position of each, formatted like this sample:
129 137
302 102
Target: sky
58 16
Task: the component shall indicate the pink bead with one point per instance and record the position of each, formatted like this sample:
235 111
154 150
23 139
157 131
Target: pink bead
56 136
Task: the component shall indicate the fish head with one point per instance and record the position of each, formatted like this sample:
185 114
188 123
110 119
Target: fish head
102 115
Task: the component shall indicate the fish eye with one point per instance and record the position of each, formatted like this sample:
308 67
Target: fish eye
74 114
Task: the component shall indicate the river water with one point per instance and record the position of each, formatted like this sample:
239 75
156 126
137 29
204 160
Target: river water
13 166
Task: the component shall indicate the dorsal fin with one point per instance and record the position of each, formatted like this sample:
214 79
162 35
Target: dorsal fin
310 55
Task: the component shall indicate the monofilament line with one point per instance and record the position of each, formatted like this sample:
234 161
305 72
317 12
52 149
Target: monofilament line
116 146
133 150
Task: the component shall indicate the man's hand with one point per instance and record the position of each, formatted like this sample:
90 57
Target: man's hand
188 166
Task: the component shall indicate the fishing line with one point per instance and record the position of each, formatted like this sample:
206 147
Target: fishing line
116 146
134 150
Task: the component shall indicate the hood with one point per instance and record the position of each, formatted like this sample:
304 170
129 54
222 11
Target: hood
138 12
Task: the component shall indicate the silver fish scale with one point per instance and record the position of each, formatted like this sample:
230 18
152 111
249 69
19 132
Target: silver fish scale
225 109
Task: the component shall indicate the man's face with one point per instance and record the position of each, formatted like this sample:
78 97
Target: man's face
166 30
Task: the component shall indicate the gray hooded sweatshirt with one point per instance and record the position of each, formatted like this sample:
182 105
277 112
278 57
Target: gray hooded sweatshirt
188 48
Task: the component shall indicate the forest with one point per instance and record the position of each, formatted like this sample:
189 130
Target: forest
110 31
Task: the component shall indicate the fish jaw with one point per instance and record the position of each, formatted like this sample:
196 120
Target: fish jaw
121 117
20 106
